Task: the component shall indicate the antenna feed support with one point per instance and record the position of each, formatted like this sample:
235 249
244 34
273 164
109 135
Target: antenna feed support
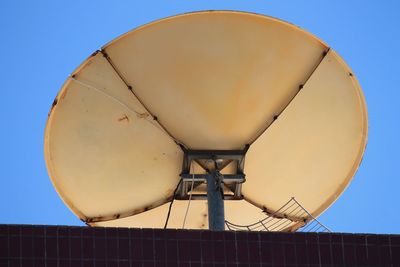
212 162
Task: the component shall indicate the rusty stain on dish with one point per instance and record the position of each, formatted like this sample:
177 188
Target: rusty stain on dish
64 93
124 118
169 193
143 115
55 101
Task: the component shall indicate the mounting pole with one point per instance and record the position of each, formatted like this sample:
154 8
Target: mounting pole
216 214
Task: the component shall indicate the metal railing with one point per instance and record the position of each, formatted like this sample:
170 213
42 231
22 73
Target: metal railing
291 217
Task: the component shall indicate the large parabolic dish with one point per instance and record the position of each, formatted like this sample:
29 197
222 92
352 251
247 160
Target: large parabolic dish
213 80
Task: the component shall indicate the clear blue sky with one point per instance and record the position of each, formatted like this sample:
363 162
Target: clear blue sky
43 41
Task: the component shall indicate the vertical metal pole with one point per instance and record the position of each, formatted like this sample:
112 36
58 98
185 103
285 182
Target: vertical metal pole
216 213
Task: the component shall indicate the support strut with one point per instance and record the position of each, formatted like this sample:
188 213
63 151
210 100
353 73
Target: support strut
216 214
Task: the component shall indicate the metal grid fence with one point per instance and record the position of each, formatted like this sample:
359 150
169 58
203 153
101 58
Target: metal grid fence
291 217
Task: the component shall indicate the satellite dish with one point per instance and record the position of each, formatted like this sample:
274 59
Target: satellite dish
266 110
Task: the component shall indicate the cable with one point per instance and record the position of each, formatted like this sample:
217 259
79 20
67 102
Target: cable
85 84
170 205
190 198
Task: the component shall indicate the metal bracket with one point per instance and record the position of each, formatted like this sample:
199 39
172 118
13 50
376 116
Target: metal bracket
219 159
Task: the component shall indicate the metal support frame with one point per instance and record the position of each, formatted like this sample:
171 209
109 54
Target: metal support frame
232 181
214 179
190 155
